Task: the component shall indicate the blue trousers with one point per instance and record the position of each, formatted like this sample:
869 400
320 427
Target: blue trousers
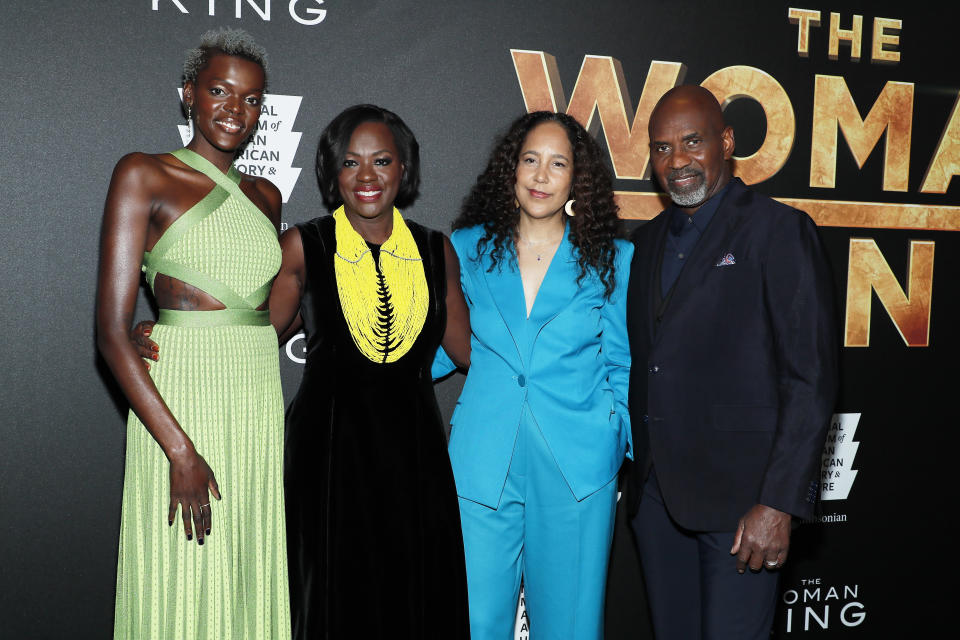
692 582
540 532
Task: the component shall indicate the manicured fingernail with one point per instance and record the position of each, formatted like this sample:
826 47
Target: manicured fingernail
169 522
155 348
155 357
200 541
208 531
189 536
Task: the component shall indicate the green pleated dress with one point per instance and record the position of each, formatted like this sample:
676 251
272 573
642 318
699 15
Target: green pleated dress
219 374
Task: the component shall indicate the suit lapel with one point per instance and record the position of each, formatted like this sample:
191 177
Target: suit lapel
557 289
725 223
506 290
653 255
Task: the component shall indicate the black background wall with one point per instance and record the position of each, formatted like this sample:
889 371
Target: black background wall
85 83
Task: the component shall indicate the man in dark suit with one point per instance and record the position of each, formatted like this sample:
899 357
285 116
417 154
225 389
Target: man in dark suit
733 338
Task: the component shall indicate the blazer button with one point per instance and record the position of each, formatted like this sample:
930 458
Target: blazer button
645 418
521 380
655 369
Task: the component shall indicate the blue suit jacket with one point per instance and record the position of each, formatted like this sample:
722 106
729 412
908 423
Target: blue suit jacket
568 364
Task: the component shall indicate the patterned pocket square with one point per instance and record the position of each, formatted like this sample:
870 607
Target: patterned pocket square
726 260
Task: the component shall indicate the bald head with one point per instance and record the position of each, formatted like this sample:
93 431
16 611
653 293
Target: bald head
690 146
685 97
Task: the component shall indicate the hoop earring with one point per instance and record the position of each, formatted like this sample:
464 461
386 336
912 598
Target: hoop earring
568 208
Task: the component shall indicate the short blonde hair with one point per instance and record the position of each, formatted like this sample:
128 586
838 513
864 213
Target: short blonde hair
232 42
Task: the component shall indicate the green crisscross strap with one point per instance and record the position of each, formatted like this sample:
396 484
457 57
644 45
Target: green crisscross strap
227 186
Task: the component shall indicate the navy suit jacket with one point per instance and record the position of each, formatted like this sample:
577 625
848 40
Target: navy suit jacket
732 388
567 365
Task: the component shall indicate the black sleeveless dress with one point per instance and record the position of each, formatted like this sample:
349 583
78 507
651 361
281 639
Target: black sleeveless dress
373 523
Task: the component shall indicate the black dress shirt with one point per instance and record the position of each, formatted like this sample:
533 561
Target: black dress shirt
685 231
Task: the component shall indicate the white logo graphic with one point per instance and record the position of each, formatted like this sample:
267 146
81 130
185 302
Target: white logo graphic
521 627
293 351
304 15
837 472
812 606
271 149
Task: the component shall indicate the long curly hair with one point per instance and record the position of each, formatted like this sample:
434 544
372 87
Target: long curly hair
491 202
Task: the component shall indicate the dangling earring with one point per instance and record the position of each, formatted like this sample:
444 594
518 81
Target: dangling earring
189 122
568 208
516 203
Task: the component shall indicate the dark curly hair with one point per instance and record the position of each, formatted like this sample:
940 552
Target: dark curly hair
335 139
593 228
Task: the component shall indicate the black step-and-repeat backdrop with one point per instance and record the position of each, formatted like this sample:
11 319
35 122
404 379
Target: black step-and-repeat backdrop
848 110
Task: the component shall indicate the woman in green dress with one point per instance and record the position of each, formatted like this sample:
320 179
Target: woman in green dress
206 422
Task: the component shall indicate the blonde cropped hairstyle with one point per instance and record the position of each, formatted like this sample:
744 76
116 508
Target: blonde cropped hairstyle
232 42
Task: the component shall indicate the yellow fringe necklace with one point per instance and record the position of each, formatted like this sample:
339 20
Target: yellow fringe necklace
385 309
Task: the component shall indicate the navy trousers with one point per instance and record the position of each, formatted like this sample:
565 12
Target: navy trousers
692 582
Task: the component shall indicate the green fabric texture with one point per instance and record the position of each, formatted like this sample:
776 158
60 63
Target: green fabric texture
218 318
219 374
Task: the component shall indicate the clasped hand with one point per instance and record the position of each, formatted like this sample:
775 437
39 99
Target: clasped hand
762 539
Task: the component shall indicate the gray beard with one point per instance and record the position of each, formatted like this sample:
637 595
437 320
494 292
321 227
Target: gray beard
689 198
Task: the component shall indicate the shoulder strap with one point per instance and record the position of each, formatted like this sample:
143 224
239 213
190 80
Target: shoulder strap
197 162
207 205
319 234
229 181
317 237
155 261
316 303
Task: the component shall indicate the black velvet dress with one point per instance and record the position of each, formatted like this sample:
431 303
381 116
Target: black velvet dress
373 523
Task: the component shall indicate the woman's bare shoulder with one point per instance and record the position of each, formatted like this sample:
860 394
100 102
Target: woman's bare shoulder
145 168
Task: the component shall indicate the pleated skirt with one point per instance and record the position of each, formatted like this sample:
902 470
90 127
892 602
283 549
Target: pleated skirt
223 386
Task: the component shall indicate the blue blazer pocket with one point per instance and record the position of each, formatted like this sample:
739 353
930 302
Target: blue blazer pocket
744 418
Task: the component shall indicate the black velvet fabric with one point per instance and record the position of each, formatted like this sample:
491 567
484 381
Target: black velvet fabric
373 523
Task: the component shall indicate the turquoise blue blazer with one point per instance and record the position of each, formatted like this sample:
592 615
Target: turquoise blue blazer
568 364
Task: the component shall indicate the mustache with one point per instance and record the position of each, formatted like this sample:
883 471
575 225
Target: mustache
679 174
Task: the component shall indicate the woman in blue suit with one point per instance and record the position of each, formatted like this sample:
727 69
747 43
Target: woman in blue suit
541 427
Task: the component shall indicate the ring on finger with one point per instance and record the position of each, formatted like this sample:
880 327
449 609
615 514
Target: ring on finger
204 505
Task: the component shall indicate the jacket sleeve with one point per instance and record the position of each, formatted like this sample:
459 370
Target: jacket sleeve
614 345
798 292
442 365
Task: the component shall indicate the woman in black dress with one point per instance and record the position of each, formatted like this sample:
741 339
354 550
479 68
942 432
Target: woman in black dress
372 517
